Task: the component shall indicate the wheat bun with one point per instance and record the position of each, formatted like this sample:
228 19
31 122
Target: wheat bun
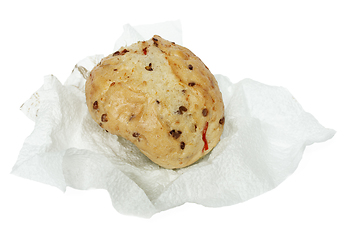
159 96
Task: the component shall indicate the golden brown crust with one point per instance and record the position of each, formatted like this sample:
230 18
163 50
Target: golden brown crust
161 97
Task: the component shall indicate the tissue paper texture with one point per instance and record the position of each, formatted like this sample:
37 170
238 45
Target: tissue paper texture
265 134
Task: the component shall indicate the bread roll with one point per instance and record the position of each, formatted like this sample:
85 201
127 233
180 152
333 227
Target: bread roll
161 97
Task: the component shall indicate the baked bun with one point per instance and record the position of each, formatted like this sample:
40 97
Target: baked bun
161 97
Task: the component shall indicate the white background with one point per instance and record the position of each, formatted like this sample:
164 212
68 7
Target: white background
312 48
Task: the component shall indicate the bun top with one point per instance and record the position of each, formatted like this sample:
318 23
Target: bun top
161 97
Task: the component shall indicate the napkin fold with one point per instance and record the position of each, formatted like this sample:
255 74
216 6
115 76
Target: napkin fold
265 134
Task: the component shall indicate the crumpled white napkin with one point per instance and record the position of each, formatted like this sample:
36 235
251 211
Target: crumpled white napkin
265 134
